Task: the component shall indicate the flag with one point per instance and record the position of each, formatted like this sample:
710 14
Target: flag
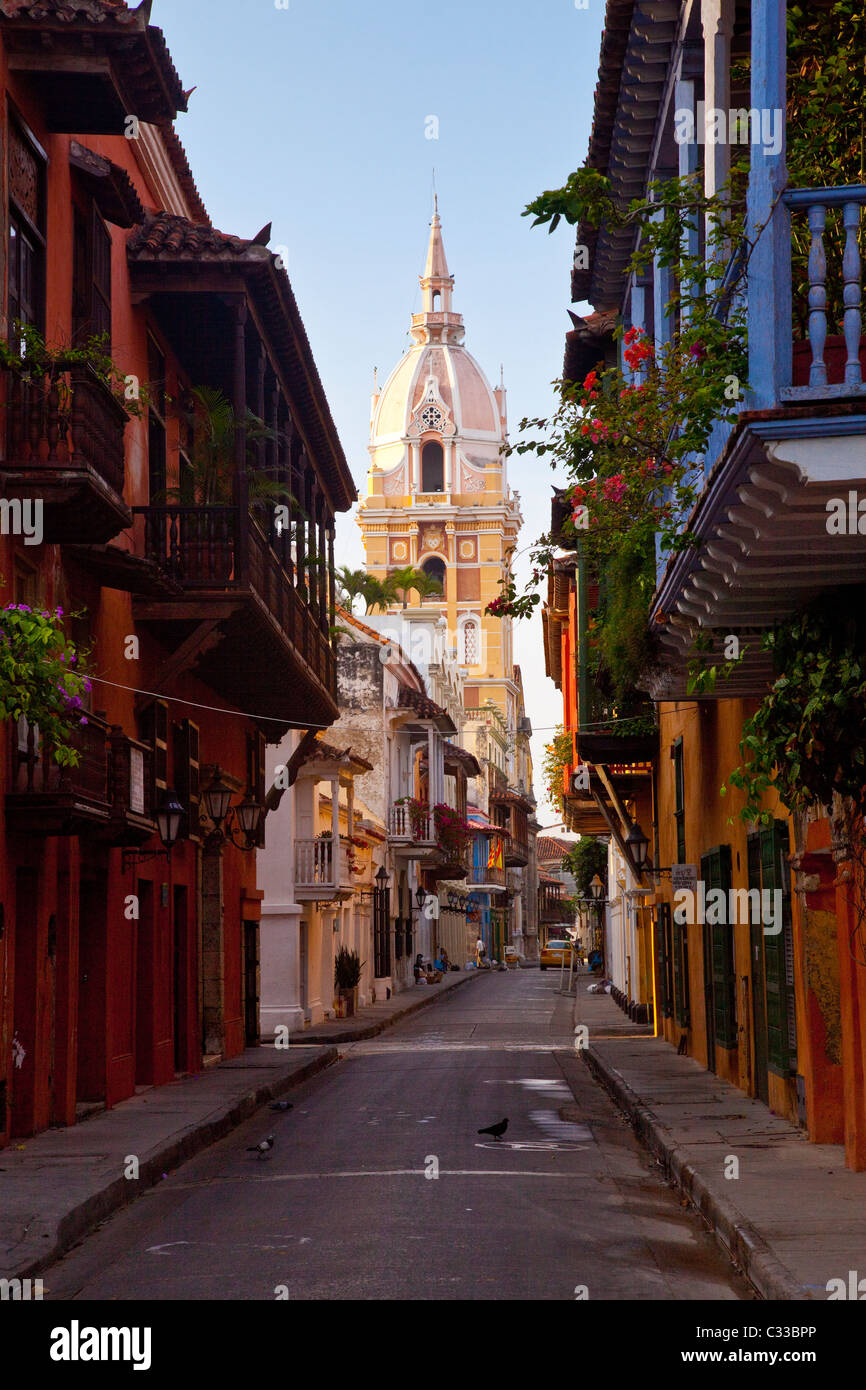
494 857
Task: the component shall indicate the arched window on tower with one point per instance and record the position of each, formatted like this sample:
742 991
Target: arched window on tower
436 570
432 467
470 643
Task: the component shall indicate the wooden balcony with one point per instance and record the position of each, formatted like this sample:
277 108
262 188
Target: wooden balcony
624 751
235 615
551 909
66 452
450 866
511 809
320 874
516 852
487 869
45 799
795 455
411 833
108 797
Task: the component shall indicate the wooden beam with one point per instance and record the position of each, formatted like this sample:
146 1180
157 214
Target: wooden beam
626 820
205 636
614 796
293 767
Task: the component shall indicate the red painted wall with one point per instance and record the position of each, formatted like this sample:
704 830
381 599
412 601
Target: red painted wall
97 1014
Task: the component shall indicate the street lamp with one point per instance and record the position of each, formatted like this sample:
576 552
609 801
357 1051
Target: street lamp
596 888
420 897
249 817
637 845
169 814
217 800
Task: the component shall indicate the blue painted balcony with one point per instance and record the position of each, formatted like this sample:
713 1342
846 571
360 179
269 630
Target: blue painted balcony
780 518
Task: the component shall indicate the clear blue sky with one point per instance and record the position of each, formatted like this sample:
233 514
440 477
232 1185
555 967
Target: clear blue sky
314 118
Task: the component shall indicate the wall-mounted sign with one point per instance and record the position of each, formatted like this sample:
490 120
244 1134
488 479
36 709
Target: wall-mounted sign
136 781
684 876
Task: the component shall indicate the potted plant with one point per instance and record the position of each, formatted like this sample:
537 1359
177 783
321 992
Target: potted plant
347 977
206 480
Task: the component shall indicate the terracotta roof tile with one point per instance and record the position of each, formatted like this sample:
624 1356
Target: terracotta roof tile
177 155
322 752
165 236
68 10
551 847
368 631
143 51
420 703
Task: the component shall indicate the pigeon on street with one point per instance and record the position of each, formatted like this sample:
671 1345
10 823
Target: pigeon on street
496 1130
282 1105
263 1148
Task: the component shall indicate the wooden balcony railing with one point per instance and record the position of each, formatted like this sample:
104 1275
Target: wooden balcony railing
551 908
65 447
410 825
43 431
224 548
108 795
47 799
35 772
815 202
317 866
487 867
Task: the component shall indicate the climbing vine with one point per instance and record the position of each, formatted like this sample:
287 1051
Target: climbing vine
807 739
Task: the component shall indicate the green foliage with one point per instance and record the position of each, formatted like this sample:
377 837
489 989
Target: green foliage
825 126
347 969
41 678
826 89
400 583
625 647
28 356
807 739
703 677
208 478
586 859
631 436
380 593
558 755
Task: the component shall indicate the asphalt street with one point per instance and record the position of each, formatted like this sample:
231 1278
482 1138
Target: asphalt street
348 1203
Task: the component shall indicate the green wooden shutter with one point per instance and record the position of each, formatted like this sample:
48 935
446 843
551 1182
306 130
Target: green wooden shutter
716 873
681 974
779 955
665 949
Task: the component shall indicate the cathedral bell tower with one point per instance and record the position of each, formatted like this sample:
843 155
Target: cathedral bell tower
437 491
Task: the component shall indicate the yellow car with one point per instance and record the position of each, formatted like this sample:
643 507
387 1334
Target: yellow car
555 952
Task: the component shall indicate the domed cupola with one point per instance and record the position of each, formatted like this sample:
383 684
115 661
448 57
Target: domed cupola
437 396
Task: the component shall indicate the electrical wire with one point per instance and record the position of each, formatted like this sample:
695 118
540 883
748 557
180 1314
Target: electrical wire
215 709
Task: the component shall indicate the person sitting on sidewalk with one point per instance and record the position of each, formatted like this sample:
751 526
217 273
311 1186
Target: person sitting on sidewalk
442 962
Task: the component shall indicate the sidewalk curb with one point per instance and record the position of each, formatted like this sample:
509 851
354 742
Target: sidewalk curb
372 1030
737 1237
83 1219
